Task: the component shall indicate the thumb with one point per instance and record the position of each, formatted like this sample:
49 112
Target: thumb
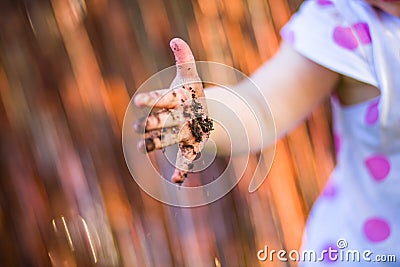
181 51
185 63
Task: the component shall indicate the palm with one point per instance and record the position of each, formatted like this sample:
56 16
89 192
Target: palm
183 116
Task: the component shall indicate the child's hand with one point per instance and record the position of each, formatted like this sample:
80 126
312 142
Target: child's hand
183 116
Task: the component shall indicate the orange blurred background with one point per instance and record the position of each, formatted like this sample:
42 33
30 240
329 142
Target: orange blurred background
67 71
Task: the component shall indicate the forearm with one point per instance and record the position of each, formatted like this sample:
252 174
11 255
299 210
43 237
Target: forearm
242 122
292 86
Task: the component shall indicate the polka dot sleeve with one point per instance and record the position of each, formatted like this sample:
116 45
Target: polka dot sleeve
319 32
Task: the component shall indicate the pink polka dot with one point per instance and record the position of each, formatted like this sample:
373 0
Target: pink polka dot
338 142
363 33
372 114
288 36
344 37
376 229
329 191
378 166
324 2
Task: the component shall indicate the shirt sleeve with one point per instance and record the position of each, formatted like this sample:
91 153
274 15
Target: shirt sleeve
319 32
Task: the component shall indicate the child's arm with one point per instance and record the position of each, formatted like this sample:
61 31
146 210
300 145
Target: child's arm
292 85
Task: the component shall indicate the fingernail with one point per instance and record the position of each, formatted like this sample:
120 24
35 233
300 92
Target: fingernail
145 99
149 143
141 147
141 100
178 177
138 125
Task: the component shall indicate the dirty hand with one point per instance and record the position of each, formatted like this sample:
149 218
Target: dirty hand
182 116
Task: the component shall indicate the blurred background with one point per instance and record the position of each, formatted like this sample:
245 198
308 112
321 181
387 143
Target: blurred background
67 71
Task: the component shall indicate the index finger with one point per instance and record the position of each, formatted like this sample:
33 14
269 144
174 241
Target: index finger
163 98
